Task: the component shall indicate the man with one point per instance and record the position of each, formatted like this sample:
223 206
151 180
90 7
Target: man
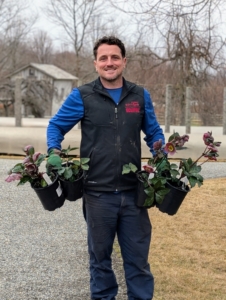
112 112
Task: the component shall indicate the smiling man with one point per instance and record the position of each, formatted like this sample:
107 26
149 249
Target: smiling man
112 111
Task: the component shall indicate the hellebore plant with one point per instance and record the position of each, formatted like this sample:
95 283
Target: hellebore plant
67 168
159 170
28 170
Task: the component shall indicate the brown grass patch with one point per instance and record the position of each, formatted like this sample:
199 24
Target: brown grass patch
188 250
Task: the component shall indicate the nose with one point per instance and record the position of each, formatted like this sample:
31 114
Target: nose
109 61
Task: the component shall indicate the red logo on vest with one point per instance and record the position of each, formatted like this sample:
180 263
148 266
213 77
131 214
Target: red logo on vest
133 107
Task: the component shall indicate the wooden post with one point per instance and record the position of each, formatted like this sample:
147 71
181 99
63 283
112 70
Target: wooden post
168 107
188 109
18 102
224 113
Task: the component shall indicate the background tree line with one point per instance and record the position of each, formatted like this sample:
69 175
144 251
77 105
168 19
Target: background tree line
178 42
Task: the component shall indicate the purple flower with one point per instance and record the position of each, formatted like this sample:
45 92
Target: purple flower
13 177
212 148
148 169
170 148
207 138
31 169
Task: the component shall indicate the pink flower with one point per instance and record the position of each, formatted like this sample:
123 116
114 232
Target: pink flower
26 160
170 148
185 137
148 169
157 145
31 169
207 138
13 177
212 148
36 156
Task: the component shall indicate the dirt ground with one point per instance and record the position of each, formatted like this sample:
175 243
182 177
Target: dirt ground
188 250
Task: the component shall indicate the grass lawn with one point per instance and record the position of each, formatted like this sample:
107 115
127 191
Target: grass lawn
188 250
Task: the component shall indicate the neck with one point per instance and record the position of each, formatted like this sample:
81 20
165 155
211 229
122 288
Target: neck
115 84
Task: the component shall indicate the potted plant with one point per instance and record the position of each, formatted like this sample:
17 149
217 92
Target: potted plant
166 184
46 186
70 172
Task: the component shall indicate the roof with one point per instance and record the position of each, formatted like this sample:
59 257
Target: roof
49 70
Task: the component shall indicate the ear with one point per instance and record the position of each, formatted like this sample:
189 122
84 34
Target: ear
95 64
125 61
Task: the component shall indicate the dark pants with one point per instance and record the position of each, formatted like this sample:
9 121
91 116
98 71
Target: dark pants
108 214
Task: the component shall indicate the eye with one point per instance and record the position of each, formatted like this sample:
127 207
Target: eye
102 58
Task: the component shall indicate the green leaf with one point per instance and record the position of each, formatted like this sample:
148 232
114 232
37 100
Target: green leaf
68 173
192 181
54 160
61 171
133 167
149 201
126 169
75 148
85 167
174 173
76 162
18 168
40 159
43 182
173 166
24 179
150 192
84 160
172 137
163 192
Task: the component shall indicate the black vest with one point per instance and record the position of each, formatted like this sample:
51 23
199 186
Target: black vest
111 135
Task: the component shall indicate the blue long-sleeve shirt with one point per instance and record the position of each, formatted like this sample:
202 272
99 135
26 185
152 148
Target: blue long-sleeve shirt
72 111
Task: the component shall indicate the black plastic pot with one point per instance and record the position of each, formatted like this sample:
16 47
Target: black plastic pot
141 196
51 196
72 190
173 200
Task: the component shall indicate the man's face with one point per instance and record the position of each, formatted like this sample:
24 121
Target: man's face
109 63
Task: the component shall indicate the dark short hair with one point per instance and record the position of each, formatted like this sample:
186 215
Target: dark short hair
109 40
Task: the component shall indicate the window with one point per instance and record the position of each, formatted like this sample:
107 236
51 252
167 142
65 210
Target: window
31 72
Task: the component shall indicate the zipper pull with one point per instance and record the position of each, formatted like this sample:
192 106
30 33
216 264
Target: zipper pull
116 112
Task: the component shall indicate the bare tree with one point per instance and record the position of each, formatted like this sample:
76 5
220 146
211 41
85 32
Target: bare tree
14 27
74 17
183 35
42 47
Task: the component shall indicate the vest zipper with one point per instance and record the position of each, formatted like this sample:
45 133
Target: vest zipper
116 112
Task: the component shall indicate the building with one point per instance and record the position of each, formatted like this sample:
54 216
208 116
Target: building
61 81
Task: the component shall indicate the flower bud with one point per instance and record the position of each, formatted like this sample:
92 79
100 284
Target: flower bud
29 150
207 138
36 156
